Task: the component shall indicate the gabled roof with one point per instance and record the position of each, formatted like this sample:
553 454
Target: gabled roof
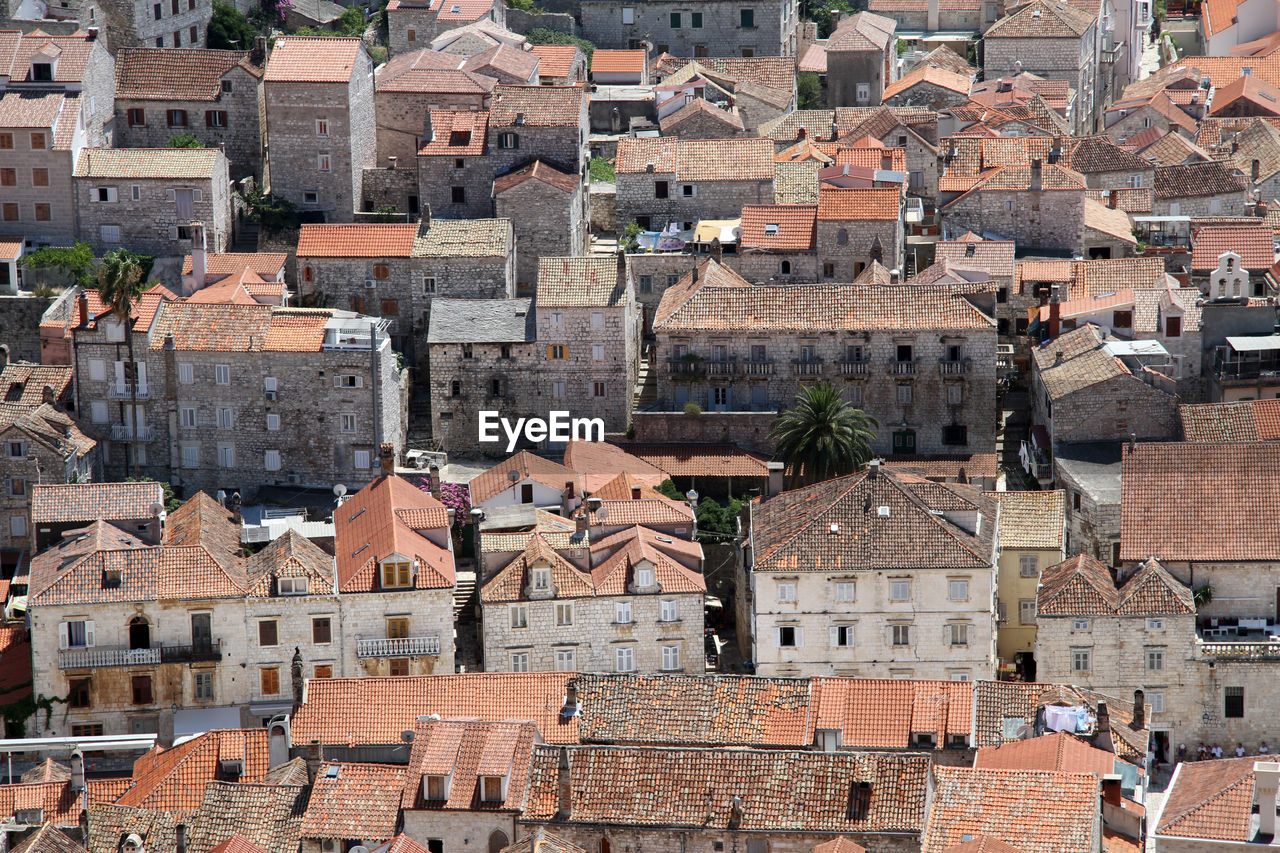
1253 243
352 800
541 841
600 459
481 321
580 282
999 702
513 580
266 814
1246 420
931 75
729 118
883 713
702 460
1076 360
503 59
24 383
1101 154
858 204
1193 180
240 327
466 750
1041 19
1082 586
862 31
841 844
1032 519
58 503
779 227
456 133
173 779
1211 800
742 159
375 710
1056 751
18 49
221 265
177 74
1261 97
47 839
149 163
390 517
995 257
48 425
528 466
540 172
357 241
619 62
290 556
556 60
314 59
537 106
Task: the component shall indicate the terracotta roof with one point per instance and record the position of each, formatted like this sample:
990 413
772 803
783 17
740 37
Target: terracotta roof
618 62
598 459
1247 420
1260 95
267 814
58 503
1056 751
779 227
1210 799
930 75
1193 180
556 60
1108 221
793 791
1101 154
791 530
774 72
986 844
839 845
537 106
702 460
747 159
580 282
357 241
149 163
48 425
972 802
1031 519
945 465
237 844
47 839
350 800
173 779
47 770
1253 243
994 257
374 710
873 713
998 702
464 751
1081 586
214 327
1041 19
730 118
18 49
176 74
390 517
108 824
858 204
863 31
314 59
465 238
501 59
1085 362
541 841
24 383
529 466
220 265
1218 15
1135 200
537 171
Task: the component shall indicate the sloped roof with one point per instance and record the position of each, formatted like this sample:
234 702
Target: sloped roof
536 171
1032 519
1210 799
357 241
580 282
23 383
149 163
314 59
1253 243
556 60
465 750
1085 362
1057 751
47 839
528 466
1247 420
931 75
702 460
266 814
1042 19
177 74
1192 180
537 106
779 227
353 800
882 713
17 50
741 159
58 503
388 517
173 779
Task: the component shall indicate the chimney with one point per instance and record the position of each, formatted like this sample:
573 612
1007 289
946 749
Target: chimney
895 275
835 19
1003 85
1037 175
1055 319
736 810
199 260
315 757
1057 357
886 161
235 508
873 467
622 266
1056 151
77 771
802 134
1139 710
564 799
570 699
1104 719
433 481
635 493
82 303
387 456
259 53
91 34
776 472
580 525
1111 788
1112 196
1266 776
391 161
835 128
932 20
180 838
298 680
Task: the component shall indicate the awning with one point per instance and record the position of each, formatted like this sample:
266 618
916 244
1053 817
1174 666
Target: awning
724 230
1254 344
1120 347
200 720
270 709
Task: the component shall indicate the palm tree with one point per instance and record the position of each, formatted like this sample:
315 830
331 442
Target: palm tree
119 287
823 436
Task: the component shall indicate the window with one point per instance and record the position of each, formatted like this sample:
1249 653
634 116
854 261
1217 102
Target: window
110 234
564 615
668 611
203 682
455 388
789 636
644 578
900 590
1155 624
458 195
491 789
1155 660
628 15
268 633
390 307
6 141
1080 625
1233 702
271 460
1028 566
188 415
398 666
80 693
226 456
87 730
322 127
397 628
598 389
557 352
215 118
566 660
176 118
747 18
347 422
8 177
43 213
842 636
846 591
224 417
509 141
519 616
958 590
322 161
597 352
37 142
688 191
670 658
955 395
675 20
661 189
900 635
558 390
292 586
1122 319
273 423
1173 327
1026 611
622 612
9 212
310 197
348 380
904 394
190 456
321 630
17 487
625 656
557 319
863 92
269 680
958 634
222 374
1081 660
787 591
955 434
141 689
397 575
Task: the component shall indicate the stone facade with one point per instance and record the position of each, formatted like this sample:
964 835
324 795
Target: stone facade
549 219
401 114
321 134
413 24
720 28
461 386
1065 56
663 840
705 179
456 185
128 23
75 459
1049 220
128 207
1110 409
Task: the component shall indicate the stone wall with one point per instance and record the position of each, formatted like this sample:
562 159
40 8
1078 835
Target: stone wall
457 829
402 120
548 222
564 147
927 95
603 201
397 188
440 174
1230 204
20 318
1093 528
519 21
1035 220
129 23
1054 58
1108 410
721 33
516 368
847 69
19 214
749 430
638 198
602 346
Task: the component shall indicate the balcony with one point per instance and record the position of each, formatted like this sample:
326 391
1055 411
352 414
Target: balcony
122 391
758 368
400 647
98 657
858 367
902 368
954 368
124 432
806 366
724 367
685 367
191 654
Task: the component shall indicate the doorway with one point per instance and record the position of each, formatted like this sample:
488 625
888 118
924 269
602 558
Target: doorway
201 632
139 633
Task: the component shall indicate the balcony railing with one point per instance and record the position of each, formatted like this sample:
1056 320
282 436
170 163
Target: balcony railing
758 368
681 367
854 368
902 368
191 654
401 647
125 432
806 366
954 368
105 656
723 367
1239 650
116 391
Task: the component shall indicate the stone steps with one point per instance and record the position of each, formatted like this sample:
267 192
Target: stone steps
464 589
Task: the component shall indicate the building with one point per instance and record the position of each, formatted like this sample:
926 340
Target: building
213 95
1199 189
548 209
321 132
1038 206
142 25
635 595
862 60
412 24
149 199
667 179
1032 538
715 29
60 507
409 86
547 123
888 575
1217 805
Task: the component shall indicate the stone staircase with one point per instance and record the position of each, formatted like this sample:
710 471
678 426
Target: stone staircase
464 589
646 391
246 237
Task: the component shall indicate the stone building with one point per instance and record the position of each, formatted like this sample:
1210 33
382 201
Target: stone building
666 179
213 95
636 597
149 199
396 271
912 597
135 507
768 28
412 24
929 85
1032 529
1038 206
560 64
547 123
320 132
455 177
1199 189
55 100
178 23
223 391
548 209
725 345
413 84
862 60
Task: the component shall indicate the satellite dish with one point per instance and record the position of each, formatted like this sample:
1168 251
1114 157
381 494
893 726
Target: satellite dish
602 512
340 490
359 848
513 475
407 736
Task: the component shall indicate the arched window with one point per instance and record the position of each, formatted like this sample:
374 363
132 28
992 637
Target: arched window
497 841
139 633
842 236
605 846
786 267
308 274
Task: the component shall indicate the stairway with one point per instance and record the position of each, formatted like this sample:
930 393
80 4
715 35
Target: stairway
646 391
464 589
246 237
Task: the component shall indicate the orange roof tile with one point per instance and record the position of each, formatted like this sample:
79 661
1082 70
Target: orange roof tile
618 62
1253 243
356 241
537 171
466 750
24 383
702 460
779 227
173 779
58 503
528 466
1056 751
1210 799
390 517
314 59
351 800
885 713
859 204
1247 420
555 60
177 74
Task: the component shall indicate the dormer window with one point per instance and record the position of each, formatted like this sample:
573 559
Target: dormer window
435 787
397 575
42 72
111 578
292 586
31 817
542 580
493 789
925 740
644 577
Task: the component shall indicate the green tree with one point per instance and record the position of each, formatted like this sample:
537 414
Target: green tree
387 213
271 213
76 261
630 237
823 436
541 35
119 287
229 30
820 13
352 21
184 140
808 92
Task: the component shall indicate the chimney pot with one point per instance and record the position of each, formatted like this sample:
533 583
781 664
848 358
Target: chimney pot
873 467
565 791
387 457
82 304
776 472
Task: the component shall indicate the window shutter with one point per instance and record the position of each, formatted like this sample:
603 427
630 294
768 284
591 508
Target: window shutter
170 195
208 118
63 628
173 232
197 195
835 639
799 637
550 353
88 633
120 376
141 368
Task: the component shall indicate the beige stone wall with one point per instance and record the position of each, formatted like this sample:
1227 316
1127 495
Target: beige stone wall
461 831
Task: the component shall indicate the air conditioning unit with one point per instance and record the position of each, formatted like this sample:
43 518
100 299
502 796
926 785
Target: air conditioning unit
370 283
